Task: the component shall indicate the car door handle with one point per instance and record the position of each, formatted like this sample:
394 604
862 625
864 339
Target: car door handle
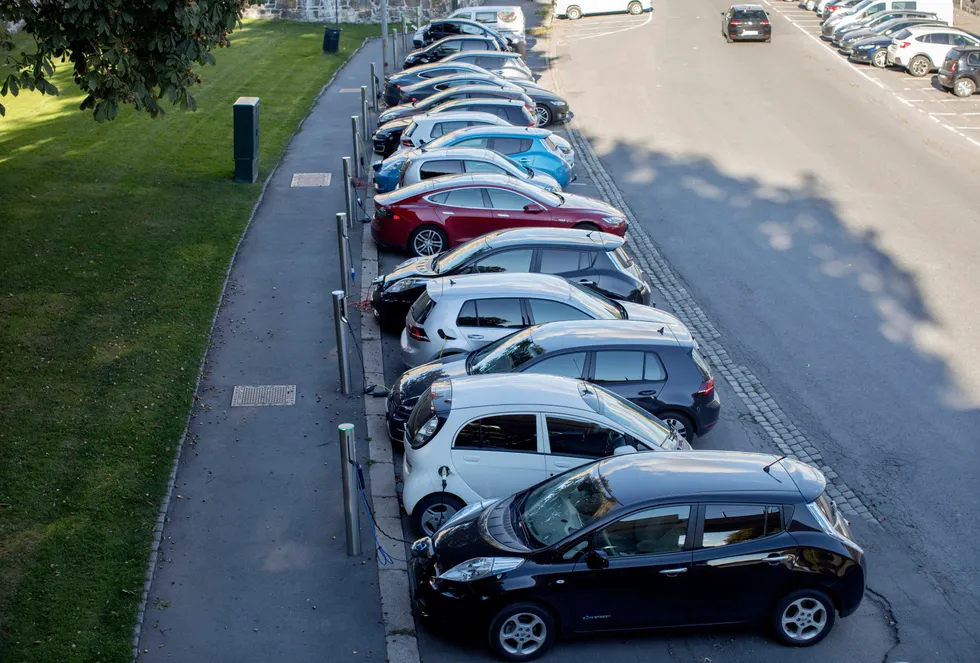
673 572
471 459
780 558
474 336
448 213
504 215
648 392
563 464
586 281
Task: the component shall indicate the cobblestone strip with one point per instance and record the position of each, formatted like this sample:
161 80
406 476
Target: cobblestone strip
787 437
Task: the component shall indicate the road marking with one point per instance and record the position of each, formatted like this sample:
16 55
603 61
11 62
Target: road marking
612 32
943 113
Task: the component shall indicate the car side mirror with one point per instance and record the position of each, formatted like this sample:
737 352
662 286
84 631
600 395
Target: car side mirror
623 450
533 209
597 559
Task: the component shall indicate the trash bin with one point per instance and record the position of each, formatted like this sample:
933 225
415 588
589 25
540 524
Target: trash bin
331 40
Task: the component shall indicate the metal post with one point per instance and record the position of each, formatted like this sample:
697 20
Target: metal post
364 115
348 475
348 192
418 15
344 254
394 53
357 147
404 33
384 38
343 360
374 87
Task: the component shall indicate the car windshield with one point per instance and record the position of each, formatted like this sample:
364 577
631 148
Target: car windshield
506 354
453 258
904 34
565 505
634 420
519 167
600 306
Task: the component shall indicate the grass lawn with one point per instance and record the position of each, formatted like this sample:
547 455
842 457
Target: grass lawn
114 241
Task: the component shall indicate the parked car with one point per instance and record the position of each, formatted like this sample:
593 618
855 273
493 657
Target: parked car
647 540
829 9
538 149
507 20
960 73
447 46
498 434
874 50
921 49
662 373
394 82
869 27
464 313
514 111
426 163
867 8
746 23
886 29
438 214
576 9
454 94
450 27
594 259
418 130
508 65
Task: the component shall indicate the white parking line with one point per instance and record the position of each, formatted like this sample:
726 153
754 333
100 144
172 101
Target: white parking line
612 32
943 113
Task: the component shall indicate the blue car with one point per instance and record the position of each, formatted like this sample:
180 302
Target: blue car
539 149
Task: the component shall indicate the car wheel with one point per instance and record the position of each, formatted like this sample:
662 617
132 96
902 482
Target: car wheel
964 87
679 422
573 13
431 512
521 632
427 241
542 115
810 6
880 58
635 8
804 618
586 226
919 66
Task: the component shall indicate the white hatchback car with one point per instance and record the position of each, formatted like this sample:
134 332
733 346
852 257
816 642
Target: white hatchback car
426 128
463 313
476 438
923 49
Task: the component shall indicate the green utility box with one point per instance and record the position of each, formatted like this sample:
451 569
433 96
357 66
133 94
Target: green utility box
246 130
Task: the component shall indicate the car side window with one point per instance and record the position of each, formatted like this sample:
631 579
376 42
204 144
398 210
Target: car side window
483 167
491 313
509 432
486 62
472 142
507 200
438 167
511 114
517 260
725 524
470 197
618 366
545 310
557 261
903 5
650 532
442 128
963 40
510 145
438 198
571 437
486 17
569 365
653 368
974 60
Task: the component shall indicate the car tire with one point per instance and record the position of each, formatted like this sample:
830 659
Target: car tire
635 8
683 423
427 241
586 226
432 511
543 115
803 618
964 87
919 66
521 627
880 58
573 13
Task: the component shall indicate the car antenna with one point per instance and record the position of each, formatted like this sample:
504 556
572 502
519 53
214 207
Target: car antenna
451 282
766 468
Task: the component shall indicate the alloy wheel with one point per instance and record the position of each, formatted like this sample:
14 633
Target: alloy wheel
427 243
542 116
678 426
964 87
434 517
522 634
635 8
880 59
803 619
919 67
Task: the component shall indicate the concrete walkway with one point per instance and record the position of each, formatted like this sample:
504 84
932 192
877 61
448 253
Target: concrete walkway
252 565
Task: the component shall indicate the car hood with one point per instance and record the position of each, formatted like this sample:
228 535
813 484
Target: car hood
484 533
857 34
415 381
574 201
650 314
872 41
397 125
397 112
539 93
545 181
414 267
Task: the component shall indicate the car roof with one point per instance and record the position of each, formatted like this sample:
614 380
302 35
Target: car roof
748 7
922 29
499 284
460 179
502 130
497 101
464 38
647 476
564 237
462 115
554 336
514 8
458 153
519 389
500 54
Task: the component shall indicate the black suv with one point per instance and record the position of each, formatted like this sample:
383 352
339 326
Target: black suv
960 73
651 540
449 46
589 257
659 371
450 27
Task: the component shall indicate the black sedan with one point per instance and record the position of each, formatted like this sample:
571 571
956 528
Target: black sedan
549 107
647 540
450 27
746 23
395 82
449 46
869 51
453 94
388 136
657 369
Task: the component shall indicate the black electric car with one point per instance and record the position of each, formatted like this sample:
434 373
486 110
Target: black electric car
450 27
592 258
656 540
449 46
454 94
663 373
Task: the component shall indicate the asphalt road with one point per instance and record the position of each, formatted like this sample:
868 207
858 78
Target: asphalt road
824 218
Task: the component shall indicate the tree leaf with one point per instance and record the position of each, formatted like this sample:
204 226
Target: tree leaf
3 111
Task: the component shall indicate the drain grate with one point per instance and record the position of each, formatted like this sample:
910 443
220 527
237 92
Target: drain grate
311 179
266 394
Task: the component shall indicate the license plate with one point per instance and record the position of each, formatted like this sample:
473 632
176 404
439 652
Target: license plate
750 32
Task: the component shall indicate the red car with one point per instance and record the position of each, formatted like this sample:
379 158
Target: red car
440 213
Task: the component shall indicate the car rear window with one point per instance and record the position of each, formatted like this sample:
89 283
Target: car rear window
622 258
904 34
751 15
421 308
701 363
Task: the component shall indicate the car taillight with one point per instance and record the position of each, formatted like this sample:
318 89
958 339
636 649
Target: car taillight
707 388
407 142
734 23
417 333
952 68
398 86
414 98
905 44
763 22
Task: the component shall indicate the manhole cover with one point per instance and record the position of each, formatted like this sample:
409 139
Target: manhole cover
311 179
267 394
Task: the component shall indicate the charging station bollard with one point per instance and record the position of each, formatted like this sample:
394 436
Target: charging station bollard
343 359
364 115
348 476
348 192
394 53
345 275
404 33
375 106
357 147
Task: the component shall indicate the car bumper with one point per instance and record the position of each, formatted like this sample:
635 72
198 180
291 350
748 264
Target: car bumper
412 355
452 604
742 35
945 79
706 415
895 58
395 419
388 311
862 56
390 233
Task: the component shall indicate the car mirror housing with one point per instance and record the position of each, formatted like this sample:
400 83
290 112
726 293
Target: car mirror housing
623 450
597 559
533 209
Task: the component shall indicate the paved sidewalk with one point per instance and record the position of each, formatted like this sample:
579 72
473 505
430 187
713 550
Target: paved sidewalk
252 565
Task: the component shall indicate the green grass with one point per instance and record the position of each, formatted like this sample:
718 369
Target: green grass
114 241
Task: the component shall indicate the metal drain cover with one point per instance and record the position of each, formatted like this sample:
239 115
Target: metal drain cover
266 394
311 179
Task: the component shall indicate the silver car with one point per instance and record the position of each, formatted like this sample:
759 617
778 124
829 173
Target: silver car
463 313
423 164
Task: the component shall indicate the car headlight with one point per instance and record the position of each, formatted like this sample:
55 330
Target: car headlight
405 284
559 102
481 567
614 220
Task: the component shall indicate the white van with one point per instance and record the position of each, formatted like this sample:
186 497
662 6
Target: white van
573 9
504 19
943 9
